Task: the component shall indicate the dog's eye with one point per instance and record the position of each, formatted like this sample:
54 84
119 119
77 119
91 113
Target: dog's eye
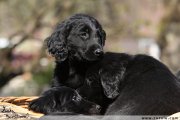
84 35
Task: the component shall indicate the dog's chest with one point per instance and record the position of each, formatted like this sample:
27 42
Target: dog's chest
75 78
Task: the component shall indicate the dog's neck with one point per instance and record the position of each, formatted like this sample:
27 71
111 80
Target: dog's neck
83 65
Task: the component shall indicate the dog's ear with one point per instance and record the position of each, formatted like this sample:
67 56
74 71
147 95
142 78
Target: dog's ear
111 81
56 43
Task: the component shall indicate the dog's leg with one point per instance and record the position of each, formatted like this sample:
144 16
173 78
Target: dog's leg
46 103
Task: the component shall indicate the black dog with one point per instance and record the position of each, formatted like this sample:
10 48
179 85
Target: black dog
129 84
139 85
64 100
77 43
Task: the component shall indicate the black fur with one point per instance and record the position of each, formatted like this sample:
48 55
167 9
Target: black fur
63 100
76 38
137 85
76 44
120 83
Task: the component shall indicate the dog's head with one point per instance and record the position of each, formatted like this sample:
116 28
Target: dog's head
80 37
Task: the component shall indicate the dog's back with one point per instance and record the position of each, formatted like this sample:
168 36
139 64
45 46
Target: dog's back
149 89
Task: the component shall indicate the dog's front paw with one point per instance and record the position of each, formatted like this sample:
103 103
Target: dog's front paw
42 105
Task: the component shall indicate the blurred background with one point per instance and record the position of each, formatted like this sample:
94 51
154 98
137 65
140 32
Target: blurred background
133 26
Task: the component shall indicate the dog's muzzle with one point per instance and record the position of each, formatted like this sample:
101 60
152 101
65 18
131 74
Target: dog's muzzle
94 52
98 52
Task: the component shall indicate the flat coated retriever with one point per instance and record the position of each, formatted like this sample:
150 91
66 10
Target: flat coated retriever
120 83
76 44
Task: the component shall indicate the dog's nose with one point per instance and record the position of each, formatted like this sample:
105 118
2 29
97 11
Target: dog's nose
98 52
